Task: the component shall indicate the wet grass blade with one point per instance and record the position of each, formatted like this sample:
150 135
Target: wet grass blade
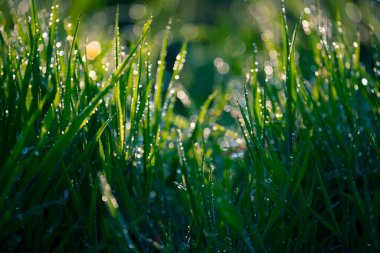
120 116
68 89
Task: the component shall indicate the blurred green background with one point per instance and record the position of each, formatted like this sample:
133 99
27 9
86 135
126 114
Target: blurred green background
220 33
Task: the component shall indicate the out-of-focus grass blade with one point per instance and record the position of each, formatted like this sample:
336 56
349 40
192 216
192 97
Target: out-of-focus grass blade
356 56
231 216
8 171
328 203
113 208
34 16
201 118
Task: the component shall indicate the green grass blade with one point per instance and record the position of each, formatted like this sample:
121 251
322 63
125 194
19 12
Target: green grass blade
120 116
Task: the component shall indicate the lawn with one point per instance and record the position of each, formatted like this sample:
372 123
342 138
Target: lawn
167 132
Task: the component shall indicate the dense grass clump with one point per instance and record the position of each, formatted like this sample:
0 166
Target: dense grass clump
96 158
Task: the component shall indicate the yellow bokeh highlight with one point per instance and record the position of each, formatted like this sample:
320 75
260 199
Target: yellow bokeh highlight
93 49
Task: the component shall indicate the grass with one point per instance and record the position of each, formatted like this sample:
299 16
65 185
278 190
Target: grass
108 164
